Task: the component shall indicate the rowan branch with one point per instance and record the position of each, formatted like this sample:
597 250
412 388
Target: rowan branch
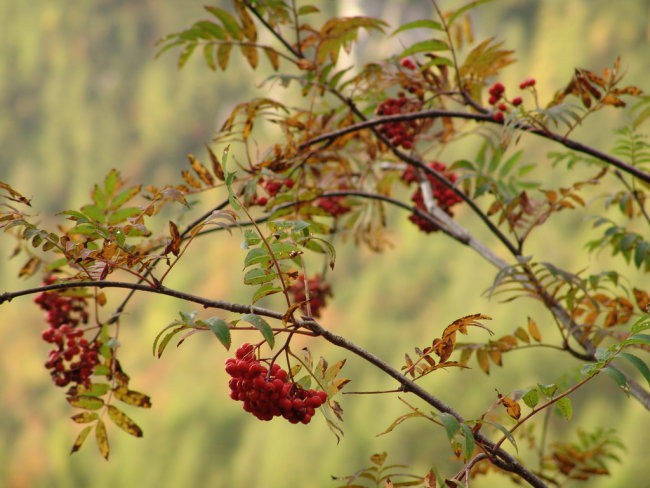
502 458
486 118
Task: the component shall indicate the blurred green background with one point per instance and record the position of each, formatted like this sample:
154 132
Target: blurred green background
80 94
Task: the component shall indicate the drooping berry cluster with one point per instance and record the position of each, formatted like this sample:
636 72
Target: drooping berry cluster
73 358
444 196
269 393
399 133
319 291
496 92
334 205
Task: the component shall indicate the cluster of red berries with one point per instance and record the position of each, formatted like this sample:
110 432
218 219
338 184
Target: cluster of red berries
444 196
319 291
73 358
497 98
399 133
269 393
272 187
496 92
334 205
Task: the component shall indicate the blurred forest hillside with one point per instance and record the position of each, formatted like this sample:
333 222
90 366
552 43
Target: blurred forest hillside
80 93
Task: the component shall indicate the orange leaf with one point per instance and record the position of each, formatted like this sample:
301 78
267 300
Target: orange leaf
533 330
444 348
250 53
483 360
496 356
174 245
216 165
642 299
379 459
628 90
509 340
594 78
273 56
494 208
613 101
410 369
200 170
190 180
612 319
30 267
512 407
248 26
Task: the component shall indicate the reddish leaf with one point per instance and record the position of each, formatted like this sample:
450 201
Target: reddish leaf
217 169
174 245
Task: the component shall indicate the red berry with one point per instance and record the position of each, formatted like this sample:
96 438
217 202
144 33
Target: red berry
408 63
526 83
517 101
498 117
